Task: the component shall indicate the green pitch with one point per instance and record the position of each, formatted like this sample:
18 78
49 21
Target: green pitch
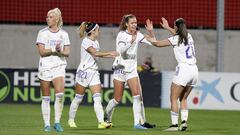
27 120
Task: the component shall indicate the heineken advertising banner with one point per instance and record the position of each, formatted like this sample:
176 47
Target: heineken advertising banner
22 86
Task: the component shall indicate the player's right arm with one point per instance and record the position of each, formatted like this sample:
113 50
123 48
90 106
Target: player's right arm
121 43
41 42
95 53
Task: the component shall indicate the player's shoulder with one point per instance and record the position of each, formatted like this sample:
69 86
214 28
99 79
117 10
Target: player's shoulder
173 37
189 35
122 33
44 30
63 32
86 40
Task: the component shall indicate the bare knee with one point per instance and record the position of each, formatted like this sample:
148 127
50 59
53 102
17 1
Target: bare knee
118 99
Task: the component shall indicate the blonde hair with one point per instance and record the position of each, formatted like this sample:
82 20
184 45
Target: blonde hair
81 29
57 13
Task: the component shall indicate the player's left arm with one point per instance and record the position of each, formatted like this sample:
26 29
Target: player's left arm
66 48
65 52
157 43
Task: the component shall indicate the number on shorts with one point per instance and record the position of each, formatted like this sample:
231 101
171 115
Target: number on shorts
82 74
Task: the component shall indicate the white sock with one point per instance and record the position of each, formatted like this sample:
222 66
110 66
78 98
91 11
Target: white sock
45 106
137 110
98 107
174 118
74 106
143 111
110 109
184 114
58 106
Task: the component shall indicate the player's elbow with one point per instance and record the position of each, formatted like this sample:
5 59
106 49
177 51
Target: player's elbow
42 54
95 54
66 55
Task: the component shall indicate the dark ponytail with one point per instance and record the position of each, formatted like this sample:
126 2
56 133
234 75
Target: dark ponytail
181 31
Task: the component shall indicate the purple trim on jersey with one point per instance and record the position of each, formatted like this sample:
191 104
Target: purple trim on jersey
89 47
170 42
52 31
121 42
141 40
39 43
127 32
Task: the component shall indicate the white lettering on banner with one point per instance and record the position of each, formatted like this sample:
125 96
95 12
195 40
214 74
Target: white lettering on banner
18 78
111 81
235 93
213 91
34 81
105 80
69 80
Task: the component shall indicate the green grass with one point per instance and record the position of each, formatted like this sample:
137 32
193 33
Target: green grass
26 119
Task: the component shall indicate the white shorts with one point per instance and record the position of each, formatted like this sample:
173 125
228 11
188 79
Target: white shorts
52 73
87 77
121 75
186 75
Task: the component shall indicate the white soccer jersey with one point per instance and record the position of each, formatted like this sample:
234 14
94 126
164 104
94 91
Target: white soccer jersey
50 40
87 60
183 53
128 50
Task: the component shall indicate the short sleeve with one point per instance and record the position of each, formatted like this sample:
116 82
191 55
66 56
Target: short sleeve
120 38
142 39
66 40
86 43
173 40
41 39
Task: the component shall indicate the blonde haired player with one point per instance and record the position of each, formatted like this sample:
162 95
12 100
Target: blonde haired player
53 46
186 75
125 70
87 73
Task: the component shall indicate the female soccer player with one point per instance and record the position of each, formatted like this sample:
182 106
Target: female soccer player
53 46
186 75
87 73
125 69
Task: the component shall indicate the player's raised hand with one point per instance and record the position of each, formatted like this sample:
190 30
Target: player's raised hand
149 25
164 23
